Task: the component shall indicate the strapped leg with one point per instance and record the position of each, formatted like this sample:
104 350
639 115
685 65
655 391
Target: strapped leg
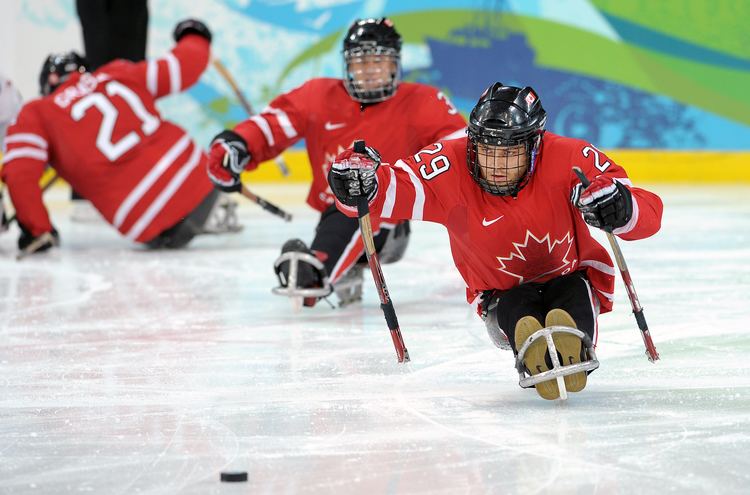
569 347
536 357
301 275
349 287
539 365
223 217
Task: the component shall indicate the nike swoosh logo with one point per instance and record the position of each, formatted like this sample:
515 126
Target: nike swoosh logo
487 224
332 127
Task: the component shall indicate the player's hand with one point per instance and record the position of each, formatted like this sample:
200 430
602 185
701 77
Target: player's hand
227 158
605 204
191 26
26 239
352 175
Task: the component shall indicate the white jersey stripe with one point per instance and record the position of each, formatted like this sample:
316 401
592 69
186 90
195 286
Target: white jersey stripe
151 177
284 122
152 76
175 77
335 275
35 153
27 137
390 196
454 135
262 123
631 223
598 265
594 310
418 208
162 199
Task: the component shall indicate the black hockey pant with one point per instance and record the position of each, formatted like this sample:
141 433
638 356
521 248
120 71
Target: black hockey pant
572 292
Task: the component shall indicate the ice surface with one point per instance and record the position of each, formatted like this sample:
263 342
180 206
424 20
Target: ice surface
126 371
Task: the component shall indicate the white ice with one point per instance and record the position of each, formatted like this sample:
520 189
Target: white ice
126 371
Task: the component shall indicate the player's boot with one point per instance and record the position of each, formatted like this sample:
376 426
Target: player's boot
349 287
310 279
223 218
568 347
536 358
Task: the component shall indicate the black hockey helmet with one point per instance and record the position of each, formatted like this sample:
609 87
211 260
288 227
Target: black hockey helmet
377 38
505 117
57 68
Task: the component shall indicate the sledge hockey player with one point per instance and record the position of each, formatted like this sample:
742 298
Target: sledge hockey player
370 102
512 205
102 133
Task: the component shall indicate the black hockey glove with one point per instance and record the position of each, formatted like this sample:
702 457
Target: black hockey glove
606 203
227 158
26 239
191 26
352 176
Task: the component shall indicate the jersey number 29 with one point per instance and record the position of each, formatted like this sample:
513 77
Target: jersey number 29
437 165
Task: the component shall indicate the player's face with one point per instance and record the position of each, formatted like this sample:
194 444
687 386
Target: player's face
372 72
502 165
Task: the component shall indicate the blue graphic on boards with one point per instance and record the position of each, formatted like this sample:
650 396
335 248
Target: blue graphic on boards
608 114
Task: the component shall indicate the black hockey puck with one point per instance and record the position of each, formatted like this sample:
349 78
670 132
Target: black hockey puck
234 476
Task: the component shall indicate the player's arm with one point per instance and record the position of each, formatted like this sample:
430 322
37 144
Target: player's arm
182 66
259 138
409 189
612 201
27 154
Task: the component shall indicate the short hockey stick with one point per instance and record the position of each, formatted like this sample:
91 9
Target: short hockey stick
386 304
634 303
222 69
269 207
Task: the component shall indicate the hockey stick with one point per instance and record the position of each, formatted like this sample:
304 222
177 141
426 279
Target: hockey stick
7 222
634 303
222 69
269 207
386 304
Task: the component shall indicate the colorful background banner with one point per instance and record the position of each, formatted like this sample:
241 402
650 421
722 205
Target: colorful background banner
639 75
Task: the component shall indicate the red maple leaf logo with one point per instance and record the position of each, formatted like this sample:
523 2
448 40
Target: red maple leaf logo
534 258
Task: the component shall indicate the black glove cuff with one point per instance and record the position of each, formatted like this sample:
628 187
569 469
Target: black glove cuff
627 202
229 136
191 26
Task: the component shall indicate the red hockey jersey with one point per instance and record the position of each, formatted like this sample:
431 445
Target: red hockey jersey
323 113
499 242
102 133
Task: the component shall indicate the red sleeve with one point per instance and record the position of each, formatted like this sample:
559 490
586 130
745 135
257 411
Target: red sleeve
647 206
179 69
24 164
416 188
281 124
438 118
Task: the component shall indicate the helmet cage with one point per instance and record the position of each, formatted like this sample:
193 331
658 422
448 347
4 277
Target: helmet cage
525 143
371 85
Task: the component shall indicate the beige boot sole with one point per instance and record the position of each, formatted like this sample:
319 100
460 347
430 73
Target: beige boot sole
534 358
568 346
